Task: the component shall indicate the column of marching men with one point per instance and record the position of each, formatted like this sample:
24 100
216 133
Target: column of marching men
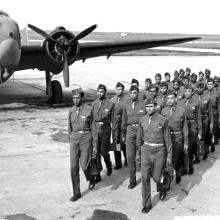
155 127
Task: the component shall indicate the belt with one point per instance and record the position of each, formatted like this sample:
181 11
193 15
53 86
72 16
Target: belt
193 120
134 125
154 145
83 132
175 132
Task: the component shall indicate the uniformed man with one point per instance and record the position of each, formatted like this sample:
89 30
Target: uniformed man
103 114
207 74
162 95
118 100
178 91
133 110
188 71
148 82
216 85
215 108
176 74
153 141
201 77
167 80
141 95
193 82
182 74
81 136
193 115
186 81
158 79
207 116
178 127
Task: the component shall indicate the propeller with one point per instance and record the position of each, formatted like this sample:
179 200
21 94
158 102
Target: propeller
65 46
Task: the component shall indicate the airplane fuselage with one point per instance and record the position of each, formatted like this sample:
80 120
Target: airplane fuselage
10 47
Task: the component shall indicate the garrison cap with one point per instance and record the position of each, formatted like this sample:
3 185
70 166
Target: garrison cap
170 92
176 72
163 84
119 84
150 101
148 80
188 87
176 79
166 74
193 75
133 87
77 91
152 86
200 85
207 70
210 80
158 75
101 86
215 78
201 73
188 69
134 81
182 71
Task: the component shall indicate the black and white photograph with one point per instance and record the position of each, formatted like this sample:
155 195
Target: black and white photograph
109 110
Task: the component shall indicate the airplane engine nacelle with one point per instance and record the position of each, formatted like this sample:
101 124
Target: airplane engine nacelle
54 52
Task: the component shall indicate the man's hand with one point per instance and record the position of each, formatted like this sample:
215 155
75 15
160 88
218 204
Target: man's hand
169 161
185 147
199 137
94 151
138 159
123 138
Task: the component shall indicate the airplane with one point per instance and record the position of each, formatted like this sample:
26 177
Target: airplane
59 50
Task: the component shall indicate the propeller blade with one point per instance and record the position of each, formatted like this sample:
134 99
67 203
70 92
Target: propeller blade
65 69
43 33
84 33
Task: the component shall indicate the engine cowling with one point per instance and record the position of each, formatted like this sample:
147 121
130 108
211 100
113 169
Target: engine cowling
54 52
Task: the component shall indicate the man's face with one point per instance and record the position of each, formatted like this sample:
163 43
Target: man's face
186 81
147 84
193 79
150 109
176 85
153 92
200 90
207 74
188 72
201 77
167 78
163 90
157 79
182 74
170 100
215 83
176 75
100 93
119 91
77 100
133 95
210 86
188 93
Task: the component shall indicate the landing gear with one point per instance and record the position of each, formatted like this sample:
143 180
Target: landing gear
53 89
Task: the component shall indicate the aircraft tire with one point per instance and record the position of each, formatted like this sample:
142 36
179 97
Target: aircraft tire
57 92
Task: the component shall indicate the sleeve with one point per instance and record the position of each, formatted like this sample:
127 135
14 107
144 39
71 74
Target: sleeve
185 131
70 129
211 117
93 129
140 137
218 105
199 119
167 139
124 121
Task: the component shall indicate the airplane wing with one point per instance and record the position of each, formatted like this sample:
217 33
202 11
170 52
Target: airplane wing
33 56
94 49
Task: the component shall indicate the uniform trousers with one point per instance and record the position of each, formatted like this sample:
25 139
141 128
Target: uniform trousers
80 152
131 137
152 165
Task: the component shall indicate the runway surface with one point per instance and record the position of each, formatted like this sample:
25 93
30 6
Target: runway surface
34 152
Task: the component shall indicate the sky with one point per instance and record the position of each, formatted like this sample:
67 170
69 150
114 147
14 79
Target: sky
147 16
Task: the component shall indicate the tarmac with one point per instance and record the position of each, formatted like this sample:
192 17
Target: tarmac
35 174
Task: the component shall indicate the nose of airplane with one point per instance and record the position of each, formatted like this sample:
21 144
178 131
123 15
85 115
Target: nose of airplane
9 52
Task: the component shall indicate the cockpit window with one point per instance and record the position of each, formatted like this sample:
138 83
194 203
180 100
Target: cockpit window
3 14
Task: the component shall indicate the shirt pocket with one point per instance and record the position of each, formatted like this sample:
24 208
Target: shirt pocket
141 112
